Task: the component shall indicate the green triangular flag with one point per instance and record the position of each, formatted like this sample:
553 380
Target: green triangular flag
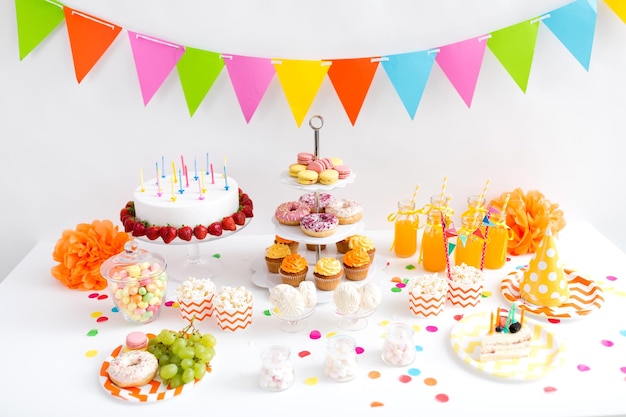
35 20
514 46
198 70
451 247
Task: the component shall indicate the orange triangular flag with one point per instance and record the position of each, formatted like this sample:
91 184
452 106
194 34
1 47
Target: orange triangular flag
300 81
352 79
90 37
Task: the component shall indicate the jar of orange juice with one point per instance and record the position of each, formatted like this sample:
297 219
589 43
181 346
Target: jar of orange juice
434 248
405 229
469 246
497 241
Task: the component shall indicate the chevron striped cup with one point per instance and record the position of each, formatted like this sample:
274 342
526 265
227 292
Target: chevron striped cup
426 305
464 295
233 319
196 309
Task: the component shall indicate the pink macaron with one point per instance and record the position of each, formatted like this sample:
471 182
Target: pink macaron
317 166
343 170
305 158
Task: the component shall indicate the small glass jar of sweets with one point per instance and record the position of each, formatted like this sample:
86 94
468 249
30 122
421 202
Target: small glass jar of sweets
277 372
398 347
341 363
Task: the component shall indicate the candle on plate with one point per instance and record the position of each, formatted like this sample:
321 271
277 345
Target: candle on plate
141 180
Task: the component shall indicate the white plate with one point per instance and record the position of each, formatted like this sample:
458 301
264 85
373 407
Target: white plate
546 352
295 233
285 178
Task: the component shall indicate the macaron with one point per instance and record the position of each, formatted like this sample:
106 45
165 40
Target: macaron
294 169
328 164
317 166
305 158
307 177
344 171
336 161
329 176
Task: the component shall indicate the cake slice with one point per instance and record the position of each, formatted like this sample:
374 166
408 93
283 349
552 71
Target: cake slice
507 338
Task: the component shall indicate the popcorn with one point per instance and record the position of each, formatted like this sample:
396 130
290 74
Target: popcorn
195 289
428 284
468 275
233 297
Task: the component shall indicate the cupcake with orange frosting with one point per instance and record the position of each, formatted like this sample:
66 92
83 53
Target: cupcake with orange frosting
293 269
356 264
293 245
274 256
327 273
360 241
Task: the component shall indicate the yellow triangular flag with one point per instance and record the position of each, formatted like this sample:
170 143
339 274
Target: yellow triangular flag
619 7
301 81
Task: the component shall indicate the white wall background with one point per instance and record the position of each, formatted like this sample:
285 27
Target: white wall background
70 153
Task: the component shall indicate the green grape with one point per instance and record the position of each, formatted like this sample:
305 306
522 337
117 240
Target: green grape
176 381
199 349
186 363
186 353
208 340
195 337
207 355
178 344
167 337
153 341
164 359
199 369
175 359
188 375
168 371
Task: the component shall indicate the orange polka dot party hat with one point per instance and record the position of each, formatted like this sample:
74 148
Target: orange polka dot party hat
544 282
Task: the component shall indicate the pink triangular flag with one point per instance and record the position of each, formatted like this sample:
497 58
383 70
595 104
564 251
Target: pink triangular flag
461 62
154 60
250 78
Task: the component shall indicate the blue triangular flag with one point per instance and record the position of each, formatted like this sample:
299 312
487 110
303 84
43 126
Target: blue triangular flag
463 239
409 73
487 221
574 25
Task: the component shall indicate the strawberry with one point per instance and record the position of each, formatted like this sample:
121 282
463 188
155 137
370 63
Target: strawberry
185 233
245 201
200 231
215 229
247 211
239 218
129 224
168 233
131 204
139 229
153 232
126 212
228 223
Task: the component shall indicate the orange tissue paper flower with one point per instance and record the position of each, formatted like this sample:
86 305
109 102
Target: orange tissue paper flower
529 215
80 253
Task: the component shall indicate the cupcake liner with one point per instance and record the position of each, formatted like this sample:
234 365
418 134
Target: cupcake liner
273 265
327 283
426 305
342 246
312 247
356 274
233 319
293 279
464 295
196 309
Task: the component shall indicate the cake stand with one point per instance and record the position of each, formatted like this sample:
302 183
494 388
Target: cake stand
293 324
354 321
193 264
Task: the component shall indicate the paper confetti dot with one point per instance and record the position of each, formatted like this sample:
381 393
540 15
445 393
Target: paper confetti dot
622 332
419 348
508 259
175 304
401 285
102 319
383 323
555 321
431 382
549 389
396 279
103 297
96 314
359 350
416 328
607 343
414 372
169 303
486 294
93 295
458 317
92 332
431 329
583 368
91 353
623 369
405 379
304 353
115 310
311 381
330 334
374 374
267 313
611 278
396 289
376 404
442 398
217 255
315 334
410 267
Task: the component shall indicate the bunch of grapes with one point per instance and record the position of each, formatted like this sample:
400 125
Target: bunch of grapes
183 356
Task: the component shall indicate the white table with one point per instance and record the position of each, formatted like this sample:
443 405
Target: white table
46 370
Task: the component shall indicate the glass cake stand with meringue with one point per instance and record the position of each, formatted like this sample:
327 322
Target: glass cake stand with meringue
293 324
353 321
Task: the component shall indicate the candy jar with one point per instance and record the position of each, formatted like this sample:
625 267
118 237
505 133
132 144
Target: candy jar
498 236
398 347
277 373
406 223
340 363
434 250
137 282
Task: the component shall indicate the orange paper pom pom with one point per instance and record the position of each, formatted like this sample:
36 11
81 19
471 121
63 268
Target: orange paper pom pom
529 215
80 253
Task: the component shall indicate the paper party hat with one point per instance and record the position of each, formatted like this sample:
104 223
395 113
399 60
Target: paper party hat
545 282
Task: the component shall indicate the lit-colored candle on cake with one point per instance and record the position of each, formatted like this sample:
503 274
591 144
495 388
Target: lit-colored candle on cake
180 189
174 172
141 180
225 176
212 175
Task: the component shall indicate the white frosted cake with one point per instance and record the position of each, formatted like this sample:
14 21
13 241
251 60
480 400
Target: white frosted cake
189 208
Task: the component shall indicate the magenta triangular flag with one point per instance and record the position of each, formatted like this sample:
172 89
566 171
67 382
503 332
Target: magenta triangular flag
154 60
250 78
461 62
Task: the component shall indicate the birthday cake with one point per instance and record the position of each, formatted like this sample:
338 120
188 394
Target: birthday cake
506 339
170 207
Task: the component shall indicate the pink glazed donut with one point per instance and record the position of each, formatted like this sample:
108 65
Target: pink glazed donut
319 224
291 212
323 200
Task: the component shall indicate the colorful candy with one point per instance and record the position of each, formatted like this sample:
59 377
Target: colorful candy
139 300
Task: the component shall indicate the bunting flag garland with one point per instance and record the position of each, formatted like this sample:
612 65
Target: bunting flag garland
574 25
461 62
198 70
154 60
300 81
36 19
408 74
90 37
514 47
351 79
250 78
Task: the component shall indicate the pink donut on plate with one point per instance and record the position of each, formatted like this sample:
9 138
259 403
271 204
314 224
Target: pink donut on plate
291 212
343 170
323 200
319 224
305 158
